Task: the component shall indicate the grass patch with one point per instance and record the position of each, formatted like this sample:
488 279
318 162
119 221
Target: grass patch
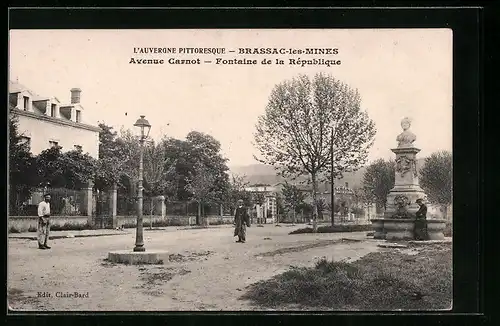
379 281
71 227
336 229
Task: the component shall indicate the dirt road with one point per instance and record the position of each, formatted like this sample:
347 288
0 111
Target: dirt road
207 270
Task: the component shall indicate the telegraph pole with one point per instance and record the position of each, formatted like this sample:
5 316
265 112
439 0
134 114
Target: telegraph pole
332 194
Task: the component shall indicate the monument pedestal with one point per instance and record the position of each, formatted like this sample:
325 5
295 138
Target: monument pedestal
401 207
401 200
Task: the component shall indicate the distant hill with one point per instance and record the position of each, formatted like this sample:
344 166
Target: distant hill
266 174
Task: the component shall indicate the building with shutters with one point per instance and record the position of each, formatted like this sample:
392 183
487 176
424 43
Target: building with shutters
45 121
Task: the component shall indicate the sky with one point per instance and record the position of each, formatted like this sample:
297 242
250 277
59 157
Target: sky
398 73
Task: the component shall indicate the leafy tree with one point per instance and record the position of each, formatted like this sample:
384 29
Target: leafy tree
79 168
200 185
112 155
378 181
436 177
157 168
237 191
207 149
129 149
22 169
293 197
198 148
305 120
73 169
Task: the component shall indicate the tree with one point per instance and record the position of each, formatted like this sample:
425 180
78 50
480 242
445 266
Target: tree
279 207
293 197
22 170
79 168
378 181
237 191
129 151
198 148
321 206
73 169
112 155
304 120
436 177
200 185
157 168
207 149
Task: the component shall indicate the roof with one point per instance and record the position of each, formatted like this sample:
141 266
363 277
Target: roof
15 87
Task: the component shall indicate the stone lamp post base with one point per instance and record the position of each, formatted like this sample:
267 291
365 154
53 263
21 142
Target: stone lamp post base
130 257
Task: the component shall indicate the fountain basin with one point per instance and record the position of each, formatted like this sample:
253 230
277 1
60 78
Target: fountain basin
403 229
378 228
399 229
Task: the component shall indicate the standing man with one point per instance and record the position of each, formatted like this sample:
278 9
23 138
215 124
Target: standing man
44 222
420 221
241 221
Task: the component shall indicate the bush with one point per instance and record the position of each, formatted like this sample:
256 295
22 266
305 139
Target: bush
336 229
378 281
32 229
220 222
156 223
71 227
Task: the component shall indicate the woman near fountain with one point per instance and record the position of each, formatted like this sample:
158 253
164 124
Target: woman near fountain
420 221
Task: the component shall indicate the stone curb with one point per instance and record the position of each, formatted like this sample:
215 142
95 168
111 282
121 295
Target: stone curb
391 245
429 242
55 237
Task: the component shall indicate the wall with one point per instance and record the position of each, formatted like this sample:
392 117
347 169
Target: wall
440 212
24 223
174 220
41 130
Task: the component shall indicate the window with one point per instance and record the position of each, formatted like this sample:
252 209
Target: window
53 110
53 143
347 184
26 102
78 116
78 147
26 140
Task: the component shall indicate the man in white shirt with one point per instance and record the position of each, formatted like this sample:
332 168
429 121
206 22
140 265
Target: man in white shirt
44 222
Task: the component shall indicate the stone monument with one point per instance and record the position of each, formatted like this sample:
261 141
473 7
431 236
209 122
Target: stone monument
399 215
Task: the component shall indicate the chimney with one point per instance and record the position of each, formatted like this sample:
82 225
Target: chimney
75 95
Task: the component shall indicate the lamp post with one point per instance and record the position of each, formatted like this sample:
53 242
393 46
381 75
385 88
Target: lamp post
332 195
145 127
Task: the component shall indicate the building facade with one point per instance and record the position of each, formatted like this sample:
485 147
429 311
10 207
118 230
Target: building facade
45 121
267 211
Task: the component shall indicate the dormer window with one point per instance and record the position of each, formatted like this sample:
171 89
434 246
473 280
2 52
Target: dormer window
78 116
26 140
26 102
53 110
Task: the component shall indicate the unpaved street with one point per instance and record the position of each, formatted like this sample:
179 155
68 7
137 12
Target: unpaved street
207 270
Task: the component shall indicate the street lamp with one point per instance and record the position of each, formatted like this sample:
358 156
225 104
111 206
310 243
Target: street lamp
145 127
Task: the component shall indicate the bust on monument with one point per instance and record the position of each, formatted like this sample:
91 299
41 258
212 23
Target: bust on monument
406 138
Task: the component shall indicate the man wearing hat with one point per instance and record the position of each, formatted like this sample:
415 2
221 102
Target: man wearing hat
241 221
44 222
420 231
